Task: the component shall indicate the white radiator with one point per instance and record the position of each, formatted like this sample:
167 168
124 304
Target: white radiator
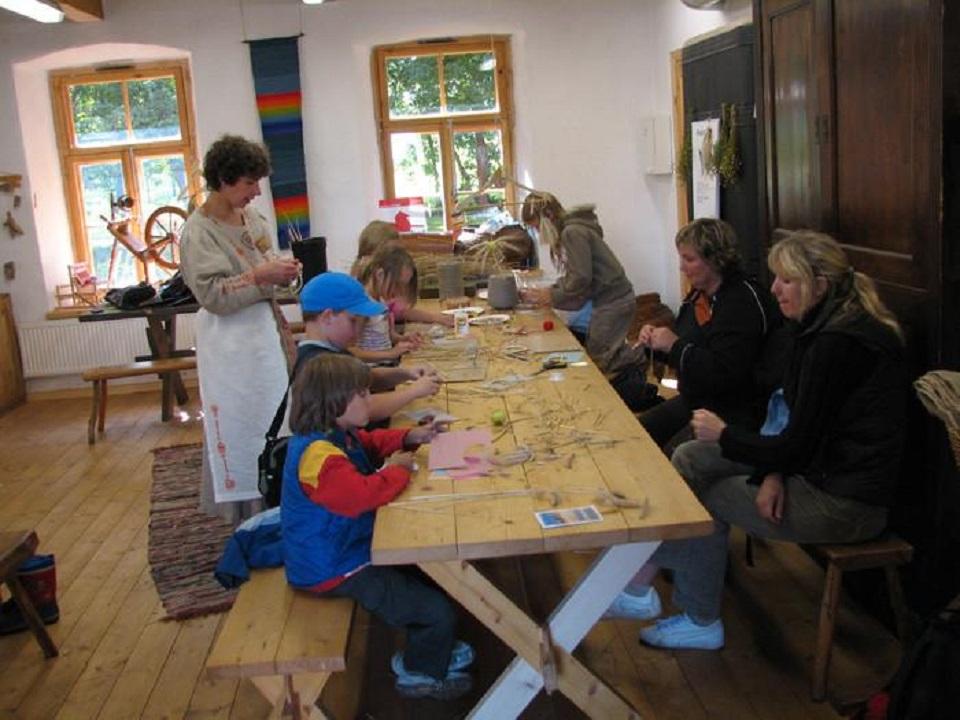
68 347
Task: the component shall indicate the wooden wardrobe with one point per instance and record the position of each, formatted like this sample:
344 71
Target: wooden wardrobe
860 108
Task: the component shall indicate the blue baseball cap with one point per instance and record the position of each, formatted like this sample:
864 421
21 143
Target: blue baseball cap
338 292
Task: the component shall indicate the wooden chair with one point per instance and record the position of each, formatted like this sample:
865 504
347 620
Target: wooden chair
889 553
84 287
15 548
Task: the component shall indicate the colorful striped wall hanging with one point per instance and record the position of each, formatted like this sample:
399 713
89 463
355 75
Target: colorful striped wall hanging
276 81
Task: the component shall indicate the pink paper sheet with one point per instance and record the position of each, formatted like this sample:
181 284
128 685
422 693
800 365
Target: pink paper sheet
447 449
476 467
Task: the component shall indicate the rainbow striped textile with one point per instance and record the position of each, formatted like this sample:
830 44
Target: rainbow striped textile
276 81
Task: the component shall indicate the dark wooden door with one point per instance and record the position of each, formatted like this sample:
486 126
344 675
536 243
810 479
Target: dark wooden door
797 95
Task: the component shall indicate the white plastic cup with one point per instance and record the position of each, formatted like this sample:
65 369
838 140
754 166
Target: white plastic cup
461 323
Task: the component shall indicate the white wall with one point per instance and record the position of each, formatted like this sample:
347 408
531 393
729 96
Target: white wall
585 73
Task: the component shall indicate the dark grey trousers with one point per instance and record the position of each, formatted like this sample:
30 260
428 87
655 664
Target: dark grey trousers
810 515
400 598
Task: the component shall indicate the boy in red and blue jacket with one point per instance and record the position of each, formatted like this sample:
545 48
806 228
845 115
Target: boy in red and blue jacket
335 477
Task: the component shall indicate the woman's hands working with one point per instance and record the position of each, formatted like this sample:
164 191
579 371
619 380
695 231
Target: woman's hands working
277 272
656 338
772 496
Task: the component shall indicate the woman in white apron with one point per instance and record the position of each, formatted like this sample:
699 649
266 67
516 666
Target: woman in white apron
244 347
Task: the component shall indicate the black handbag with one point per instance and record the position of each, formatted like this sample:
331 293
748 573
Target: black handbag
131 297
271 460
175 292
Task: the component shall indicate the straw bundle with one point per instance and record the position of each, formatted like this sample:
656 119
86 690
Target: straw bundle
939 391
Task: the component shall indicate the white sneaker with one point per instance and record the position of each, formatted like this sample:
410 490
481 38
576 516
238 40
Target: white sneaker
635 607
679 632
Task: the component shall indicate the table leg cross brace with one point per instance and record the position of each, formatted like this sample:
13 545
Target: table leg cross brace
544 658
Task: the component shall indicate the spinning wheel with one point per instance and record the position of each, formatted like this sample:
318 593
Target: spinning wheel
161 234
160 245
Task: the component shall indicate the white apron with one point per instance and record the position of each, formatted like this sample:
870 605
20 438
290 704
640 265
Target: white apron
243 375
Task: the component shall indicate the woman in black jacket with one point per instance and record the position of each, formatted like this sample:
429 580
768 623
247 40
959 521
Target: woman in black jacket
829 474
720 333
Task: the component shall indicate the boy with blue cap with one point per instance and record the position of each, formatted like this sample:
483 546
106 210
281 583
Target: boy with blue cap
335 306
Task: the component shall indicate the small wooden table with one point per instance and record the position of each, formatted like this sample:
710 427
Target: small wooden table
162 338
588 449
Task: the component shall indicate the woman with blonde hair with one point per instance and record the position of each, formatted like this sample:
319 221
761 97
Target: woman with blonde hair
589 271
828 475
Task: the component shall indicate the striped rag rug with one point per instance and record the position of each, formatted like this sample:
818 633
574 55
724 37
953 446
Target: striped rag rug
184 543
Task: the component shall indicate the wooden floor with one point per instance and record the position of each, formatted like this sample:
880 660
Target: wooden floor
89 506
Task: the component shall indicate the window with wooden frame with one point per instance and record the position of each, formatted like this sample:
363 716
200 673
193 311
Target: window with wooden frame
445 117
123 132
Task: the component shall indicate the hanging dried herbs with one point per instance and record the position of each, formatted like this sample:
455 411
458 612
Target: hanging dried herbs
726 151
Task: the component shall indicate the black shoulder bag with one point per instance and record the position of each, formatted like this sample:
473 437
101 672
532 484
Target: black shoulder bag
272 458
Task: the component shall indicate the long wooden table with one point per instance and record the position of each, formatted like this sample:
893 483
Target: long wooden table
588 449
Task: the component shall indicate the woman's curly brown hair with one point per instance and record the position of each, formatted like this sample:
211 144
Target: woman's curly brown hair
233 157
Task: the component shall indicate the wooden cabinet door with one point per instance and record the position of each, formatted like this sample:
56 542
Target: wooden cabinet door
797 100
887 127
852 114
12 389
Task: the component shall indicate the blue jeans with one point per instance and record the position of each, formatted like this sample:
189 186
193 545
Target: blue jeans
810 515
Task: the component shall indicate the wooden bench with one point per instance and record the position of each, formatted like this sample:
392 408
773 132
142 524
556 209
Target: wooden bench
15 548
888 552
289 643
100 375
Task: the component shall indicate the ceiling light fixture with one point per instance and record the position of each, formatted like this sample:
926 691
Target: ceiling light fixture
312 2
33 9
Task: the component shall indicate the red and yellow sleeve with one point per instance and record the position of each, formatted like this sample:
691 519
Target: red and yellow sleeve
329 478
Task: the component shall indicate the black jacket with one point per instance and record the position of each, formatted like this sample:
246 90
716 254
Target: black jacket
717 363
846 387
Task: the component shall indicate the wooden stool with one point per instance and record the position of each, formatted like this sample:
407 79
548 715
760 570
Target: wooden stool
888 552
15 548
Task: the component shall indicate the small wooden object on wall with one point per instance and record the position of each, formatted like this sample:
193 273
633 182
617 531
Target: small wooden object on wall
12 226
9 182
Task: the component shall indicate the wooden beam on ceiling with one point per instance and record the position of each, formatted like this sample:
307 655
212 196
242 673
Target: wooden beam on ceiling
82 10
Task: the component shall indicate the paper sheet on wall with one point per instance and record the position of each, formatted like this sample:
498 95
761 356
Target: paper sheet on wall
706 183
